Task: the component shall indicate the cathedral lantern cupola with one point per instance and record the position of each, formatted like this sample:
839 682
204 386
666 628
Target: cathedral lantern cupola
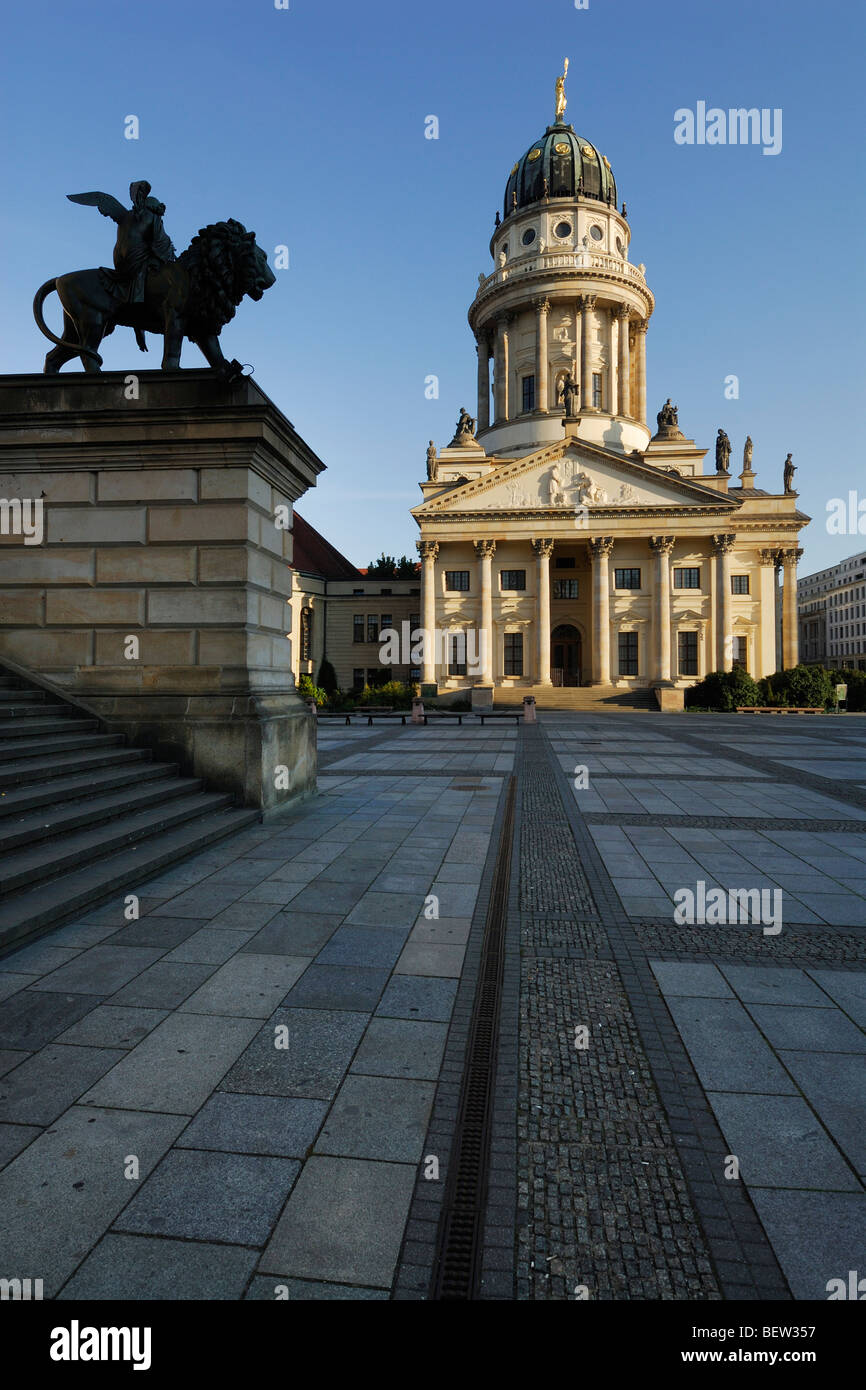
563 300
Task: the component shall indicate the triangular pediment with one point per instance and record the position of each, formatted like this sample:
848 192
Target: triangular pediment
572 474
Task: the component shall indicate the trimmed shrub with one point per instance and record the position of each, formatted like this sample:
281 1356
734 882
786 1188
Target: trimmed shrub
328 677
308 691
393 693
799 686
724 690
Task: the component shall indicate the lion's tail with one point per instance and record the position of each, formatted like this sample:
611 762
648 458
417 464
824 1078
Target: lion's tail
39 299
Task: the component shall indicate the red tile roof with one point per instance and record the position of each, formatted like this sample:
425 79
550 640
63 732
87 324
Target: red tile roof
312 554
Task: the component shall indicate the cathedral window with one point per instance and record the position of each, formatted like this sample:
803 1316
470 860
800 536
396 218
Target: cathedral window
457 581
306 634
687 644
628 653
596 390
739 583
626 579
513 654
688 577
372 627
514 580
741 652
565 588
358 627
457 653
528 393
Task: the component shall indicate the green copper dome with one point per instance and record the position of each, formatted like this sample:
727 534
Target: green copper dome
559 165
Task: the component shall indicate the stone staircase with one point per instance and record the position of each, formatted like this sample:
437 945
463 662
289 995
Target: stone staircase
83 815
594 699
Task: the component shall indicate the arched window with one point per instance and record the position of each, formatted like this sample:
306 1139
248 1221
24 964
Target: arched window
306 634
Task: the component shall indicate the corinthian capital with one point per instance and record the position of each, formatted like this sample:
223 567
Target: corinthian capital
662 545
790 557
543 546
428 550
587 303
769 557
600 547
485 549
723 545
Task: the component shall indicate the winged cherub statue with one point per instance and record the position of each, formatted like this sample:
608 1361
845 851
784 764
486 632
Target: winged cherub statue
142 242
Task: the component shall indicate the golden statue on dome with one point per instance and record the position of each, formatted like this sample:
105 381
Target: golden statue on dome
561 101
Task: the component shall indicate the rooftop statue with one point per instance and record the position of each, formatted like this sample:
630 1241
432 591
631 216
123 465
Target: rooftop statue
465 425
561 99
153 290
668 414
788 475
723 452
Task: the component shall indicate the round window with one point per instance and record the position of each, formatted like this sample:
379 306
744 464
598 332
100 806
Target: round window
596 233
528 236
562 229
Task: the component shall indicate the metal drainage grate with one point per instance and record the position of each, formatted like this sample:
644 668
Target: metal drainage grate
457 1267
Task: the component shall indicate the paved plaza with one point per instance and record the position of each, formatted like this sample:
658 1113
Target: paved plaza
238 1094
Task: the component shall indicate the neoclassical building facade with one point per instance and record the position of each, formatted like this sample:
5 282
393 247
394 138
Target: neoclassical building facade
562 540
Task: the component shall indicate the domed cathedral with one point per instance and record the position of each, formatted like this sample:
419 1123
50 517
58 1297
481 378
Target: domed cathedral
563 541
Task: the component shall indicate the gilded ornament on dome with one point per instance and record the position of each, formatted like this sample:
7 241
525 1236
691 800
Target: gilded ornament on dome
562 147
516 167
587 151
534 154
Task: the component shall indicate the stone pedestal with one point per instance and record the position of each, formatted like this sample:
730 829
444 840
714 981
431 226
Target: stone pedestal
158 593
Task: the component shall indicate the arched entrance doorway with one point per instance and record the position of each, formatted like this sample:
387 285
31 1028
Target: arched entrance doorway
565 655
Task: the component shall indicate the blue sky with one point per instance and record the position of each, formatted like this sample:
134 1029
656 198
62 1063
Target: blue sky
307 124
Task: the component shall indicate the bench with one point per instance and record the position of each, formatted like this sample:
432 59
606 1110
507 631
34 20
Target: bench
780 709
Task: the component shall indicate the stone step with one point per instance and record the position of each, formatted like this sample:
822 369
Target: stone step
30 697
105 750
27 914
58 856
46 749
95 810
69 789
29 728
36 709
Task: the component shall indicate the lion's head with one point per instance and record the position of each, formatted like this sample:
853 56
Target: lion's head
223 263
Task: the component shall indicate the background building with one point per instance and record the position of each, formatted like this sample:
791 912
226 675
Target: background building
588 549
832 613
338 612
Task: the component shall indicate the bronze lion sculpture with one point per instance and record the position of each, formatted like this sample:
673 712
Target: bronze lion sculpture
192 297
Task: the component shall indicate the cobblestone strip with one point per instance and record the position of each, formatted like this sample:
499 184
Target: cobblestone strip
676 1112
843 947
415 1266
604 1210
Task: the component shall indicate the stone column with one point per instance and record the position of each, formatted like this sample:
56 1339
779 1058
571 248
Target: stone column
543 548
790 635
542 391
624 384
485 550
587 304
661 546
612 358
770 559
500 382
640 329
483 383
600 548
722 547
428 550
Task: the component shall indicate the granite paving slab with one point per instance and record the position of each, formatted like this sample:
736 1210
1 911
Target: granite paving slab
201 1195
283 1127
61 1194
343 1222
320 1046
143 1268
